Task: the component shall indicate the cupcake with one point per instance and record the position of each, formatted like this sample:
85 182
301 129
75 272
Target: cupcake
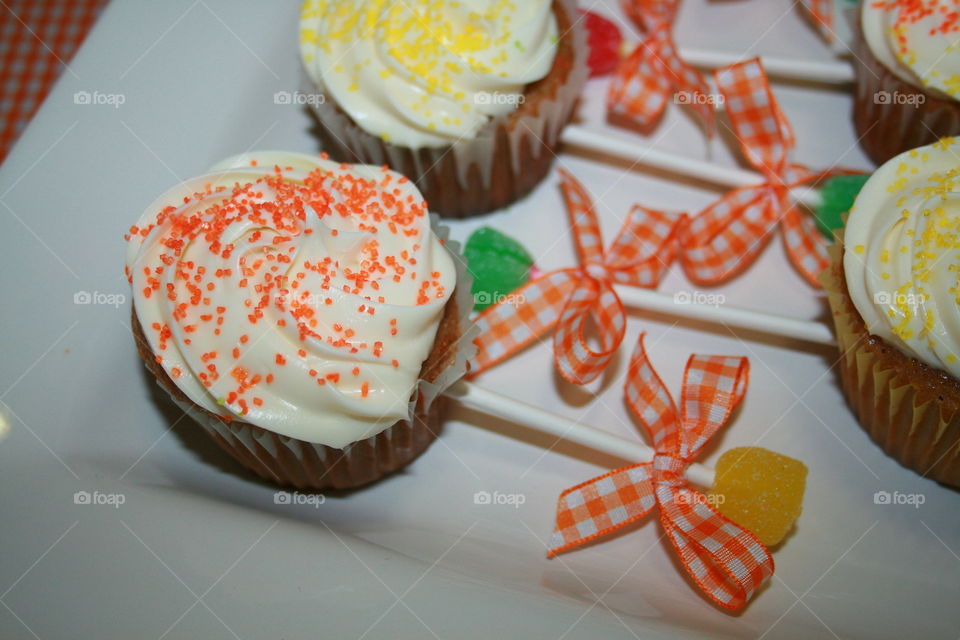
466 98
303 312
892 287
907 68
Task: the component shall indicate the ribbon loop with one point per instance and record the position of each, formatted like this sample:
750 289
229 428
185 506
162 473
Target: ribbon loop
727 562
654 73
760 126
713 386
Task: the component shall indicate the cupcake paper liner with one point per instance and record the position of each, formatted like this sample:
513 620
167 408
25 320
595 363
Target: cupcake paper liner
499 165
900 410
892 116
297 463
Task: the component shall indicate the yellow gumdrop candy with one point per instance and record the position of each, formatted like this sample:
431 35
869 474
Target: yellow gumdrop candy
762 491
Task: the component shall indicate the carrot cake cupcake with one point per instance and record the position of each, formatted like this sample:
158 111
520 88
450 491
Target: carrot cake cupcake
303 311
907 67
467 98
893 289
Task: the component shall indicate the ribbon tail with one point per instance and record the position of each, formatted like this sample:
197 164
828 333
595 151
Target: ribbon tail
528 313
805 245
727 236
600 506
728 563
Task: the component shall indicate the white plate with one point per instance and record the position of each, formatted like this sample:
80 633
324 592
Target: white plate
199 549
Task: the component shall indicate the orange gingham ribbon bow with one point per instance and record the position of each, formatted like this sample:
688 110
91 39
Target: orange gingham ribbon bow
727 236
822 13
566 298
727 562
654 73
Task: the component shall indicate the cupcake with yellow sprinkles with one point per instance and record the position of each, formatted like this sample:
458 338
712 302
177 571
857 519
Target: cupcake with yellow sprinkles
467 98
894 290
304 312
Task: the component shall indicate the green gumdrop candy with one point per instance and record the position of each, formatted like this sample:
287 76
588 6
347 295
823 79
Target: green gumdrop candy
838 194
499 264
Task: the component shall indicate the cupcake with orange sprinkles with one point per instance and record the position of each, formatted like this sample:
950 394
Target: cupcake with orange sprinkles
304 312
894 290
907 66
466 97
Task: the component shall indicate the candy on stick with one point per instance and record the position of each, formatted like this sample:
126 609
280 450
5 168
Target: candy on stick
604 35
728 563
762 490
834 196
641 298
608 280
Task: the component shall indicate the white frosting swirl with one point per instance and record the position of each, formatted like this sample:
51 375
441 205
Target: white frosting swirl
426 73
298 295
917 41
902 254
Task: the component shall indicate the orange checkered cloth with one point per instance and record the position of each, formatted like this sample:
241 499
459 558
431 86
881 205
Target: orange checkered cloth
728 563
37 39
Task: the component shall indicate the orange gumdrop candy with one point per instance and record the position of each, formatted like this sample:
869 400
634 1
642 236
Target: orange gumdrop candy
760 490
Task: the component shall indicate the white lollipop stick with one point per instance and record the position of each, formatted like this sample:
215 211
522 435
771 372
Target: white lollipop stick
501 406
768 323
732 177
827 72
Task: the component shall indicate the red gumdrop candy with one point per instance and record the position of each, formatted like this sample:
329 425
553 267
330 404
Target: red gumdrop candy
604 40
